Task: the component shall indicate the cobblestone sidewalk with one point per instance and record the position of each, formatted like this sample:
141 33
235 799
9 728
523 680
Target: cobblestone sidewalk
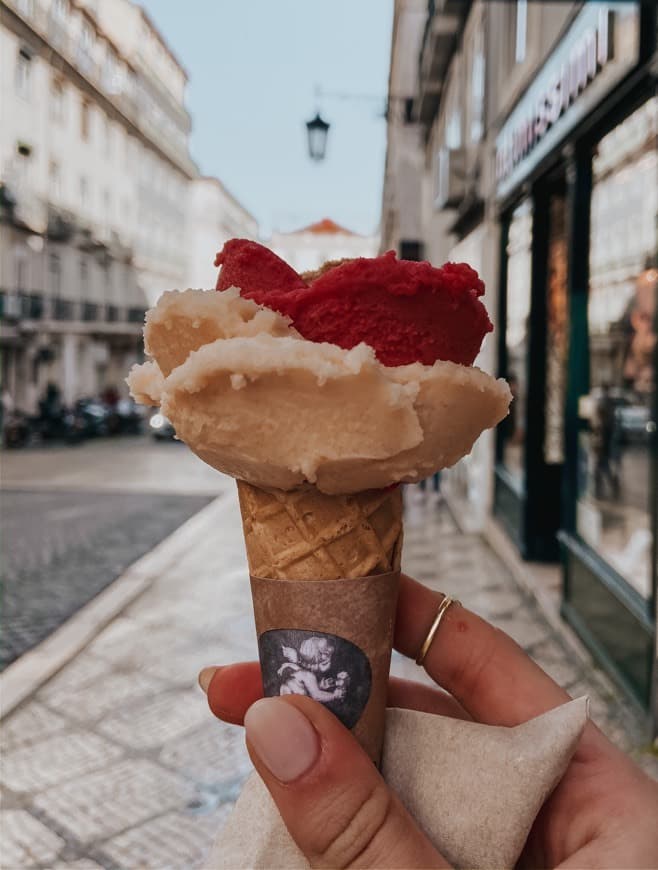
117 763
60 549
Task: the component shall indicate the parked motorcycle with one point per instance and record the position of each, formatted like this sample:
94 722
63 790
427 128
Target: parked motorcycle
16 431
87 419
129 417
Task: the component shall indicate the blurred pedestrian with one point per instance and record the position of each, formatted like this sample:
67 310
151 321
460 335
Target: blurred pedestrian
6 407
432 485
606 449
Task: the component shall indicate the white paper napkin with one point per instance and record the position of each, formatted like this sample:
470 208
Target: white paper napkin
474 789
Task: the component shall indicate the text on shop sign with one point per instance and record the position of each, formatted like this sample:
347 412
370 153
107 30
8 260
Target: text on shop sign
587 57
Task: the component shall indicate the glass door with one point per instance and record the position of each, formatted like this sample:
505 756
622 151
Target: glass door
615 487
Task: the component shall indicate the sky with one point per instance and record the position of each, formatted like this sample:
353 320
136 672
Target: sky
254 66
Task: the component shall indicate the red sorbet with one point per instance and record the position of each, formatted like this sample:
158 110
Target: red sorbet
405 311
245 264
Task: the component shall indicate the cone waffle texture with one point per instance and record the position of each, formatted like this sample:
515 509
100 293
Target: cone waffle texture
306 535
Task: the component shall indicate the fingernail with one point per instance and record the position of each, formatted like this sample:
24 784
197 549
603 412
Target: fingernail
283 738
206 676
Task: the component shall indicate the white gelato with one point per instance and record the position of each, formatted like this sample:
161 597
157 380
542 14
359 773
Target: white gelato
255 400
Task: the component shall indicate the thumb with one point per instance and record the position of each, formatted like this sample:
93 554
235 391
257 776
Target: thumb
335 804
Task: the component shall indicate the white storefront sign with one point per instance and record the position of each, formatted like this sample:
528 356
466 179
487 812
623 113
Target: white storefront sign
600 47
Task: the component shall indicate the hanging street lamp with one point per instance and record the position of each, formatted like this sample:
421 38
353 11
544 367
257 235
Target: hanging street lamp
317 130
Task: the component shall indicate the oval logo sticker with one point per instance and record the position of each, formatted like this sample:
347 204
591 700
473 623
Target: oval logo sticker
321 666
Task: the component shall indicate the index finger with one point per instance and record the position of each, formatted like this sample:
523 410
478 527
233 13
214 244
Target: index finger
482 667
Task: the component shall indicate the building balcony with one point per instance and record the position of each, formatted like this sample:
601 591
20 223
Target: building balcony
151 85
58 35
21 206
21 306
111 83
89 311
62 309
89 68
24 8
27 309
445 18
136 315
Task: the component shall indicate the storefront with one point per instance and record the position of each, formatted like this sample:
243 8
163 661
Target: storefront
467 485
576 461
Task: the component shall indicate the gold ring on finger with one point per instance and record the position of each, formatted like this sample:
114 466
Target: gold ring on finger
427 643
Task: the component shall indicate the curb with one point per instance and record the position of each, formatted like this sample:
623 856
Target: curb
22 678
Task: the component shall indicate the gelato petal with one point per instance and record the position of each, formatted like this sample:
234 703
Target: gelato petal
255 400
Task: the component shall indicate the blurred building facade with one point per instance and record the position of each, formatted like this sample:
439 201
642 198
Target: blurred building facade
308 248
96 189
537 131
215 216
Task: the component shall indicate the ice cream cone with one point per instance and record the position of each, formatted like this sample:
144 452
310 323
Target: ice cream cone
307 535
324 578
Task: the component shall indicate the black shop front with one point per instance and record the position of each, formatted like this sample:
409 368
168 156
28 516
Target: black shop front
576 461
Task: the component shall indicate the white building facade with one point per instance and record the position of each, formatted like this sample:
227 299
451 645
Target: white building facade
215 216
402 227
96 185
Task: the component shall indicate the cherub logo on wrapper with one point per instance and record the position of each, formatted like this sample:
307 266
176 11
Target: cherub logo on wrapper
321 666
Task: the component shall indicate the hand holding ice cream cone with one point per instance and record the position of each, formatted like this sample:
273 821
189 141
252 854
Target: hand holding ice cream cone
320 395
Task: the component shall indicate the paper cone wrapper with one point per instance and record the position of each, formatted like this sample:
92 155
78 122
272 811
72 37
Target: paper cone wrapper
324 578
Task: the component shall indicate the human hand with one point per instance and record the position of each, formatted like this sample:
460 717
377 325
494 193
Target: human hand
340 812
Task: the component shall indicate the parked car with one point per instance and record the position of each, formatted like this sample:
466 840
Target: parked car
161 428
124 417
635 423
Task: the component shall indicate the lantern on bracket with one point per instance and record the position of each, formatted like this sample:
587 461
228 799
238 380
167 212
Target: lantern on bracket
317 130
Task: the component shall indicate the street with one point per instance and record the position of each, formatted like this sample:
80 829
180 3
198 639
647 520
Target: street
117 762
74 518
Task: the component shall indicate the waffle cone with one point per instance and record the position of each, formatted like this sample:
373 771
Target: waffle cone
307 535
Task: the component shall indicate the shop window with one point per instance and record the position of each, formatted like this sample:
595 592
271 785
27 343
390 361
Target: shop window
55 181
55 272
84 194
57 100
520 30
454 129
476 104
617 425
84 276
107 208
20 269
517 331
107 279
85 120
23 73
410 249
108 138
557 331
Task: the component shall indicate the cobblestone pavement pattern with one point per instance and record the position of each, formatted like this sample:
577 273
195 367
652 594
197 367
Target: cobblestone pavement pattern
117 763
74 519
